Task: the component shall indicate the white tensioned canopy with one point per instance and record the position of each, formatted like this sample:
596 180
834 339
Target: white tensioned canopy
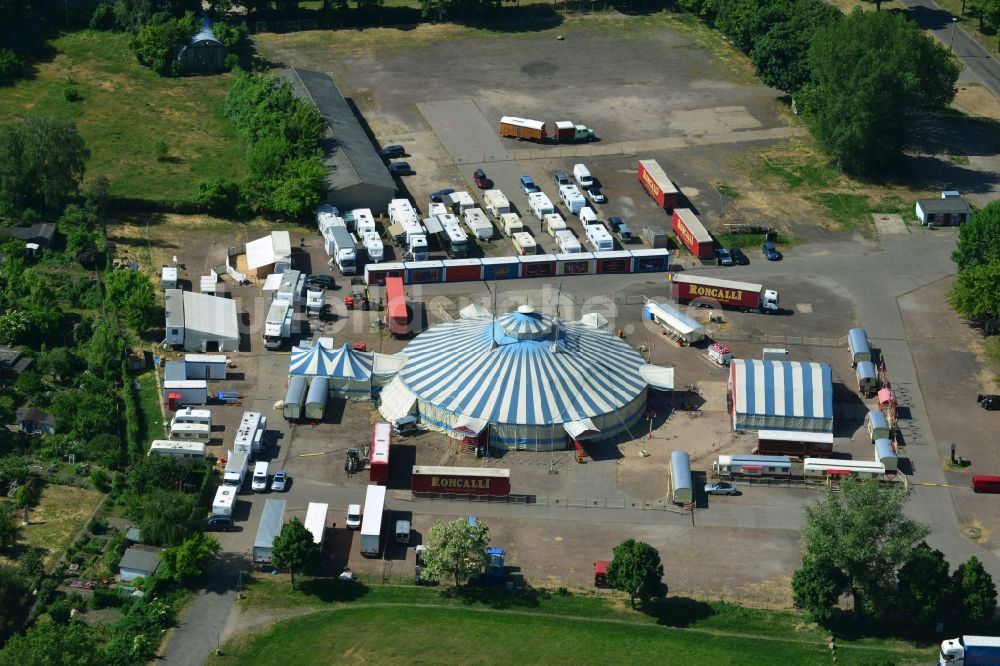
513 374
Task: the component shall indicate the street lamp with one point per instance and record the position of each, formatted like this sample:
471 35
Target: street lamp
951 43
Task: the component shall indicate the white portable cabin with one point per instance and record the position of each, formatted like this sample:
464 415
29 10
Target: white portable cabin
567 242
599 238
858 345
681 485
191 415
876 425
316 522
295 398
191 391
206 366
496 203
540 205
168 277
191 432
834 469
461 202
319 393
752 465
478 223
511 223
524 243
184 451
886 454
552 223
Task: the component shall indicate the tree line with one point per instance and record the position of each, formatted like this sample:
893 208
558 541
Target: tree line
976 292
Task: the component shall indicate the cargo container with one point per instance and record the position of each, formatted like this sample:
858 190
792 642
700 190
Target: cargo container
576 263
372 521
885 453
657 238
462 270
615 261
538 265
656 183
744 296
205 366
190 391
692 234
381 441
656 260
492 482
795 444
501 268
523 128
876 425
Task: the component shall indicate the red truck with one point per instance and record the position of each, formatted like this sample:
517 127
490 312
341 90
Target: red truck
656 183
379 467
692 234
745 296
460 481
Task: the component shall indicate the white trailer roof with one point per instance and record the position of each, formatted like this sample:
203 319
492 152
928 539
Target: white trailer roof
316 520
492 472
796 436
158 445
271 520
185 384
523 122
371 522
210 315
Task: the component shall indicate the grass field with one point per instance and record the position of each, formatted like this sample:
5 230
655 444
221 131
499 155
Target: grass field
125 109
352 622
61 512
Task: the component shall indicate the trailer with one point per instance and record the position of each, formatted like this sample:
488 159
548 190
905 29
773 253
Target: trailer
567 242
524 243
397 316
235 472
250 433
794 443
553 222
511 223
540 205
381 444
316 398
222 504
187 392
272 518
970 651
190 432
295 398
523 129
681 485
692 234
191 415
834 470
433 481
858 346
316 514
477 223
885 453
599 238
657 185
496 203
745 296
450 236
372 521
183 451
675 324
876 425
572 198
278 324
753 466
867 376
461 202
588 216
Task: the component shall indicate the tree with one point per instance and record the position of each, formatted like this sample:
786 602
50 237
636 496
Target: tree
165 517
924 587
636 569
862 531
979 238
186 563
975 591
817 586
131 293
103 351
975 295
780 54
15 601
42 161
294 549
870 74
456 550
158 42
49 644
10 527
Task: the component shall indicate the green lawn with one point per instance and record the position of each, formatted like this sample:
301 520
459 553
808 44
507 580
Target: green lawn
354 623
150 415
125 109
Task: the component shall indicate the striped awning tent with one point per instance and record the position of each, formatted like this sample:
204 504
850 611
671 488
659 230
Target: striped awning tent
315 361
526 375
781 395
351 373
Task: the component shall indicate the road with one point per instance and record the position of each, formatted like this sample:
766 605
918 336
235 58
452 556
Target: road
978 61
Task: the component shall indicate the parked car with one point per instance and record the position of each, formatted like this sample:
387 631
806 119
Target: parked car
723 257
221 524
721 489
438 197
400 169
394 150
353 516
528 185
560 178
989 401
595 195
482 182
324 281
770 251
739 258
279 483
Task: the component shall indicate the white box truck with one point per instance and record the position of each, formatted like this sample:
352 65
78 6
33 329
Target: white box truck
524 243
540 205
235 472
567 242
599 238
315 303
478 224
250 433
552 223
496 203
372 521
511 223
278 325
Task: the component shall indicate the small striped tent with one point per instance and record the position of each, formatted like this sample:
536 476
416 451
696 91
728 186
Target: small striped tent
781 395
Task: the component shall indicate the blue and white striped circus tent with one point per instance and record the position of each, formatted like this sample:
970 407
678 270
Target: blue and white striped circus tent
351 373
781 395
522 380
314 361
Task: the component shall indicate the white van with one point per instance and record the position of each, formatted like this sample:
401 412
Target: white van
582 175
259 484
354 516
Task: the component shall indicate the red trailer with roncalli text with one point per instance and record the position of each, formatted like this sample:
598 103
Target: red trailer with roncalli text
492 482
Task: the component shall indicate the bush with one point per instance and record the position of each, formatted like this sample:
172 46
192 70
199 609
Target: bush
59 611
10 66
102 482
103 17
161 150
71 94
232 62
97 525
105 598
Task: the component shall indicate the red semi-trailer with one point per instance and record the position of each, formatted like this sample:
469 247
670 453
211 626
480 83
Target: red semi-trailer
381 439
656 183
460 481
744 296
397 313
693 234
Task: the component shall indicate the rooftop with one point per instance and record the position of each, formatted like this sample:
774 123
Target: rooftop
947 205
140 558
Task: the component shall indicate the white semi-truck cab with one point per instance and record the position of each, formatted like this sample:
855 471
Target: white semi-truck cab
769 301
970 651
